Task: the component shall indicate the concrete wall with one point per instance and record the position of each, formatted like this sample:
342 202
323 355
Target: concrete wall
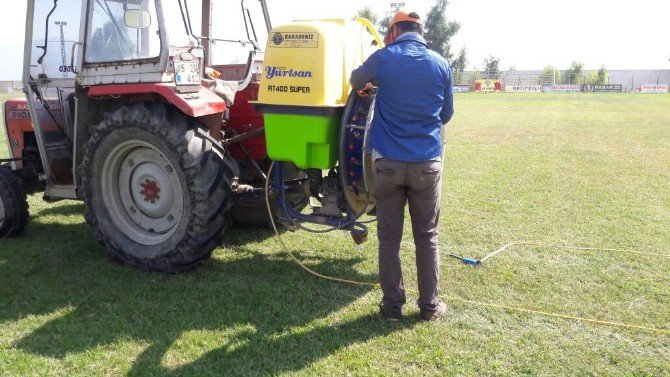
11 87
630 79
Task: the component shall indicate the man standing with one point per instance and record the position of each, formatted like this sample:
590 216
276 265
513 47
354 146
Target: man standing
414 101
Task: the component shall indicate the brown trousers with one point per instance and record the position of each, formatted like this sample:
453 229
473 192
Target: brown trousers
418 184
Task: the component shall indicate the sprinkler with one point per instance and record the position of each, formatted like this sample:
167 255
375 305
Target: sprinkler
469 261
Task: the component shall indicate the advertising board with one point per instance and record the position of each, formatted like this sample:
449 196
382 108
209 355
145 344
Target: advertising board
653 89
561 88
523 88
488 86
608 88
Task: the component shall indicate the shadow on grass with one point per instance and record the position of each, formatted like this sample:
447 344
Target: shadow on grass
235 235
261 307
240 235
70 208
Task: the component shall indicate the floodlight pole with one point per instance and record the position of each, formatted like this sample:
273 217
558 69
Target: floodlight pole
62 24
554 76
396 6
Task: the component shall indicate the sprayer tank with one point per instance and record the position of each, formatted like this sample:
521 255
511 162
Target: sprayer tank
305 85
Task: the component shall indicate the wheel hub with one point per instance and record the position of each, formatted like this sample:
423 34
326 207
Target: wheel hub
145 196
150 191
152 186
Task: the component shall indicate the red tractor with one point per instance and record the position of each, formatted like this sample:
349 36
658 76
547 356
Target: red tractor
127 110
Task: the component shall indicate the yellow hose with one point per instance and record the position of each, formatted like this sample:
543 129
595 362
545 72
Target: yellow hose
464 300
567 247
371 28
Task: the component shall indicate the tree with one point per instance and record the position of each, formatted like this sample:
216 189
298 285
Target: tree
459 64
550 75
491 67
384 25
598 77
367 13
591 78
439 31
602 75
574 74
476 75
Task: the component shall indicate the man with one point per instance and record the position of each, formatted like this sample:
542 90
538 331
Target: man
414 101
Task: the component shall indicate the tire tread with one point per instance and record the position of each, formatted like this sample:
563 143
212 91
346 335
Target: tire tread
209 198
16 205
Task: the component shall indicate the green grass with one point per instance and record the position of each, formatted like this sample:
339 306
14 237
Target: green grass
567 168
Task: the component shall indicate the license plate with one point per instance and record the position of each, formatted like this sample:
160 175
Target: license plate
186 73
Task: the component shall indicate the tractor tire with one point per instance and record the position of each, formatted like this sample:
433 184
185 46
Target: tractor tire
155 188
13 205
255 214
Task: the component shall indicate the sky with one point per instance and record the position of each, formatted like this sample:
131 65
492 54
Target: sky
524 34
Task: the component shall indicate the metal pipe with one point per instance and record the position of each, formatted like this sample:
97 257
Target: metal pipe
206 30
244 137
266 15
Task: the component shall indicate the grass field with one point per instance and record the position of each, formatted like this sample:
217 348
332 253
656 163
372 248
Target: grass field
579 169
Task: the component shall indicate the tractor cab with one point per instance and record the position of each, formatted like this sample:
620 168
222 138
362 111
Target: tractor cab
78 51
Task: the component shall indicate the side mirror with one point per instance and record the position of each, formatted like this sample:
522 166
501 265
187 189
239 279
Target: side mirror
137 18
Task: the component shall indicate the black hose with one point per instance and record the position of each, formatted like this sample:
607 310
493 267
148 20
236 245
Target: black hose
46 34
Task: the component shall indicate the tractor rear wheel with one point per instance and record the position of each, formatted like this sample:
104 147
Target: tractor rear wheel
13 205
155 188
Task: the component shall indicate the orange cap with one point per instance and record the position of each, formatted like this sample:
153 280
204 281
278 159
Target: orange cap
401 16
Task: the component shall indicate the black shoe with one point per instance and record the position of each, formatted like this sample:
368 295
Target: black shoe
391 314
431 315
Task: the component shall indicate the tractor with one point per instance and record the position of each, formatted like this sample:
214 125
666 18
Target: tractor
164 117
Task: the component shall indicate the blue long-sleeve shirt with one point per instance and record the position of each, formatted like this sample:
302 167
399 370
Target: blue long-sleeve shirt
414 99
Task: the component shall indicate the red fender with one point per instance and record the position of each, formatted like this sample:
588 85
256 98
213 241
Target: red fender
197 104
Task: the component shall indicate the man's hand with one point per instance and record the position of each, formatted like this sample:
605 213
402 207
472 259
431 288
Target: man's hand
366 89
